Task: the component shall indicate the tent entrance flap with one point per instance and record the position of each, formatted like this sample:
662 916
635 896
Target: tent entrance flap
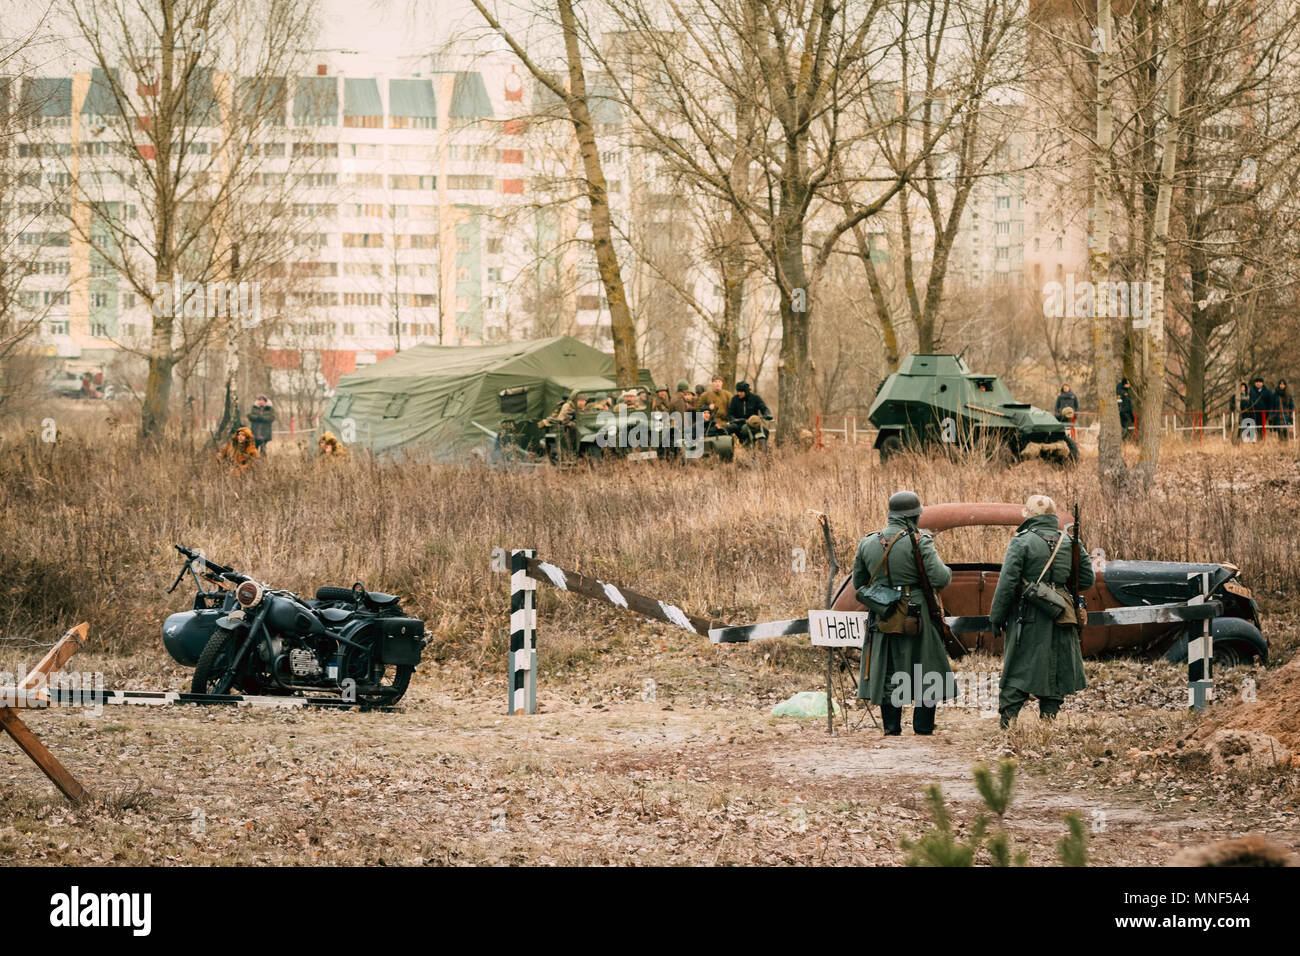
514 401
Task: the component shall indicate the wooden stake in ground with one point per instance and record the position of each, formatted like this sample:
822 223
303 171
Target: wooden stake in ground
67 645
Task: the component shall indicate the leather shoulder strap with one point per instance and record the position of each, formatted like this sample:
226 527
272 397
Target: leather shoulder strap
885 557
1060 539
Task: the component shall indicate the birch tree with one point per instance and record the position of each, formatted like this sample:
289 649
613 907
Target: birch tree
190 99
570 86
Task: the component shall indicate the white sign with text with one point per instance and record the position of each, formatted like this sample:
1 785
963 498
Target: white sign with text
838 628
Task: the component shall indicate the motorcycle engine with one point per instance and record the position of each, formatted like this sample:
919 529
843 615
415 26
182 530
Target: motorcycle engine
303 663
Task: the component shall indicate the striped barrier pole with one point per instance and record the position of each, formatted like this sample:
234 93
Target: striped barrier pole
1197 609
525 571
1200 654
523 636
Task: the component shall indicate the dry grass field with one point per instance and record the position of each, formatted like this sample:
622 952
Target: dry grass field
699 774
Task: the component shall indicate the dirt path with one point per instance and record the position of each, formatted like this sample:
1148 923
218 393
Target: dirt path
450 780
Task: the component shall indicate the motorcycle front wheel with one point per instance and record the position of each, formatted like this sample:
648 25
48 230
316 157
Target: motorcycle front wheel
212 674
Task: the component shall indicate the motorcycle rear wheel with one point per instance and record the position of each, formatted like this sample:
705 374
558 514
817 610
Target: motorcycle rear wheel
396 689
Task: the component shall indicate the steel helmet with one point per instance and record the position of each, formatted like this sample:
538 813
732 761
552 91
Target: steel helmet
904 504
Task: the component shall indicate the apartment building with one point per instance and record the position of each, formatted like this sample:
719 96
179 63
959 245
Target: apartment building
395 184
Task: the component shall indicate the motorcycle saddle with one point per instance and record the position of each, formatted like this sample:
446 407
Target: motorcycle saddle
375 600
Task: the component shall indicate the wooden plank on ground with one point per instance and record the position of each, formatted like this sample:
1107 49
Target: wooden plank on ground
42 757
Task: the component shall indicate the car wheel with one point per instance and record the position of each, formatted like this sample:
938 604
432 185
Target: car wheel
890 447
1231 655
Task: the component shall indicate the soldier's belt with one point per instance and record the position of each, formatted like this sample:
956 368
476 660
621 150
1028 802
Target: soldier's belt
980 624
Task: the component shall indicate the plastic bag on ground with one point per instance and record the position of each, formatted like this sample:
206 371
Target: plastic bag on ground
806 703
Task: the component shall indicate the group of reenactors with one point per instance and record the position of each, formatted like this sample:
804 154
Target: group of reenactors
907 664
1269 409
742 414
248 442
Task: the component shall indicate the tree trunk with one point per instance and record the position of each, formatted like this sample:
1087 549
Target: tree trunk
162 357
735 268
157 393
883 313
622 329
1110 452
796 303
1198 357
728 334
1152 411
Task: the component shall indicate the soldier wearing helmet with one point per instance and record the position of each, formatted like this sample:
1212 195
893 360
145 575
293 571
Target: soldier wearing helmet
904 661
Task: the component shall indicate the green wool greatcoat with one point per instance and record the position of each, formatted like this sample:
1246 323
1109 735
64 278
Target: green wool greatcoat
893 654
1038 657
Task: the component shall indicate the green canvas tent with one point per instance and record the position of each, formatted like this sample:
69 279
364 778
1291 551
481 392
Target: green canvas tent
432 398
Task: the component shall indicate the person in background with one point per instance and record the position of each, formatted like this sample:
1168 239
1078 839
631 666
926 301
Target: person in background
241 450
260 418
1067 404
747 413
328 446
1237 405
1124 397
1260 403
718 398
711 427
661 400
684 401
1284 401
682 410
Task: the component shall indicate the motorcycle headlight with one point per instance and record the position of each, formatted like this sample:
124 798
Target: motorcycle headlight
249 594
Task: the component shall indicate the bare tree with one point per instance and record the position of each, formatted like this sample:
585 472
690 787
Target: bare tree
571 88
954 108
799 67
189 97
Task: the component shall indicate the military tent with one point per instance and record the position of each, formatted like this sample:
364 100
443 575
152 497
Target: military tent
431 399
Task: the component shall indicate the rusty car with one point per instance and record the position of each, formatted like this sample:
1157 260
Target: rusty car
1236 633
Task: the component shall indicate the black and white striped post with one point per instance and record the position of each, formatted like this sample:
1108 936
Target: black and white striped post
1200 653
525 571
523 636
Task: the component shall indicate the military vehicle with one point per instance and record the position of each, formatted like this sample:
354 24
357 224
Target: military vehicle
603 429
935 401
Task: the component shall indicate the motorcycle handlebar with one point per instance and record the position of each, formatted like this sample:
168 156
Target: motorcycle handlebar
211 566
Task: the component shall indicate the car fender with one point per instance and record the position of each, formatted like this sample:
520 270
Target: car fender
1227 630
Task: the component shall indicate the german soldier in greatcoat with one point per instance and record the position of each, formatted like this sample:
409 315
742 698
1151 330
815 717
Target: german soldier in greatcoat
904 669
1040 656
